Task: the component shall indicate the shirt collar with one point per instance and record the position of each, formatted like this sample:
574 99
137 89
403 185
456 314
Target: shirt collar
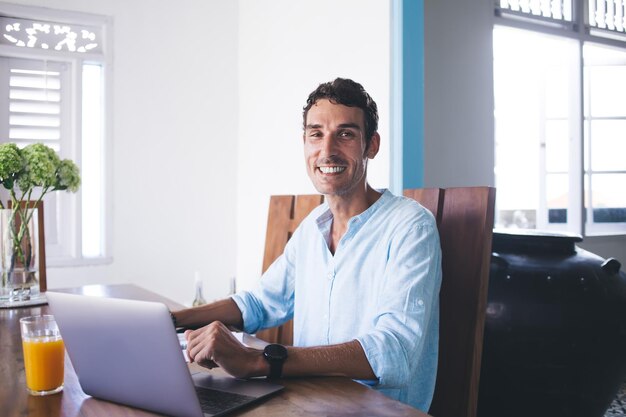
324 220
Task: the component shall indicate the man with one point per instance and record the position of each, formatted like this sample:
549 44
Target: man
360 276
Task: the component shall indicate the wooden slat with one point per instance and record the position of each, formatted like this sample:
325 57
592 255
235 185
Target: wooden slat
284 216
286 212
465 230
304 205
431 198
278 225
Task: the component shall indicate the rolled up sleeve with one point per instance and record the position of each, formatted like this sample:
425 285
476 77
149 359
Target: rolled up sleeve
408 311
270 302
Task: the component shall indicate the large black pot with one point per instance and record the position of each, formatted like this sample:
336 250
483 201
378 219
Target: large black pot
555 331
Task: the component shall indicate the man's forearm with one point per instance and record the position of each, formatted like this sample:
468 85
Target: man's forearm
225 311
214 345
346 359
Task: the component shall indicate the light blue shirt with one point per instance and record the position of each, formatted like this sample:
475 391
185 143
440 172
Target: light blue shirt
380 288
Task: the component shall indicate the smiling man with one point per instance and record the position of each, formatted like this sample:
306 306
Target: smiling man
360 276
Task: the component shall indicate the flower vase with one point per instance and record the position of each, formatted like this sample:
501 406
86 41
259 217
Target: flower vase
20 254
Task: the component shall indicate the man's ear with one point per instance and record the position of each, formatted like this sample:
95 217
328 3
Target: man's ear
374 146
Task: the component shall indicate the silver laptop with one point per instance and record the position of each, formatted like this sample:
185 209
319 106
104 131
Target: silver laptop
128 352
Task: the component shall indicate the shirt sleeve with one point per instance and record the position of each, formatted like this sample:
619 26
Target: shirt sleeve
408 309
270 302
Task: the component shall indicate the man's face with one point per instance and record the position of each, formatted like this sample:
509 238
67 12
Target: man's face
334 148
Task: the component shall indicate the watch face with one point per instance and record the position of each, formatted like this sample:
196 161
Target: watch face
274 352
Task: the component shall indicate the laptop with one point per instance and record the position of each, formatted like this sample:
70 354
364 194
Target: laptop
128 352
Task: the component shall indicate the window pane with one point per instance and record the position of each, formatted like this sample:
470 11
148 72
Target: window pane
557 96
557 191
609 145
92 167
607 90
605 138
532 132
608 198
557 146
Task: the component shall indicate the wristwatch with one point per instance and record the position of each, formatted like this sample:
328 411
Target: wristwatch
275 355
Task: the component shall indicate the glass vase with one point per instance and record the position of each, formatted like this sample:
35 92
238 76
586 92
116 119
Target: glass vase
20 254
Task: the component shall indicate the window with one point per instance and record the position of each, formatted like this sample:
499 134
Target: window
560 116
53 73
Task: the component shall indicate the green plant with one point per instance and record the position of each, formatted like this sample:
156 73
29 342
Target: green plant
29 173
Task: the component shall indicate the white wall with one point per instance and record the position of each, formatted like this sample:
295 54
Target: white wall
458 93
174 144
286 49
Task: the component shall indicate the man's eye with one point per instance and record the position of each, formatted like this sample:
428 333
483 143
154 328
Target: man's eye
346 134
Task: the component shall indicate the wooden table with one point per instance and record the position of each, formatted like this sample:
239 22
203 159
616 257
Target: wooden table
320 396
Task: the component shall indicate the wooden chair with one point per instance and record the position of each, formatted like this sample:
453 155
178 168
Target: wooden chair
41 242
465 223
285 214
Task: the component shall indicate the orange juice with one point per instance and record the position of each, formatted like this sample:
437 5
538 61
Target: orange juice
43 362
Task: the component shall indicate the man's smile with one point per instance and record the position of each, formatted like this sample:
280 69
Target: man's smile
331 170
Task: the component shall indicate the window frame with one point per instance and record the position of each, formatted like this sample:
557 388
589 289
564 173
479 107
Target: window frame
70 254
578 29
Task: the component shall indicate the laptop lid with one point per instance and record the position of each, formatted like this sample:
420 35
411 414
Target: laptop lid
128 352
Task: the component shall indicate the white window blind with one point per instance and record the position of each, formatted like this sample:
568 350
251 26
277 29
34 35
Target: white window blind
36 108
39 111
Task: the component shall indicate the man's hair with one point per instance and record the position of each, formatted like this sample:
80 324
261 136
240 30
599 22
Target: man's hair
349 93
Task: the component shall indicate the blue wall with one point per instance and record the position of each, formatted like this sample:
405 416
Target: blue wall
407 92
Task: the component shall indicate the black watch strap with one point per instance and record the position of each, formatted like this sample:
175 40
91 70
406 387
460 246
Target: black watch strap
275 355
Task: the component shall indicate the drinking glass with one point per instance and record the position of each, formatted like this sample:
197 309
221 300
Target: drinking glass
44 354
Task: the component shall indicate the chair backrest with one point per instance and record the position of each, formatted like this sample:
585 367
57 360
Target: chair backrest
465 223
41 243
285 214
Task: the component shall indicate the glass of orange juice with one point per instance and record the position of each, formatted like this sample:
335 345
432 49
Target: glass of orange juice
44 354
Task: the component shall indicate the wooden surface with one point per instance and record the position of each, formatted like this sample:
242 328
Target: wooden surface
328 396
431 198
465 230
284 215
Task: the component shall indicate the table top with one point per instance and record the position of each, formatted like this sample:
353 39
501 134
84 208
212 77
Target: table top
312 396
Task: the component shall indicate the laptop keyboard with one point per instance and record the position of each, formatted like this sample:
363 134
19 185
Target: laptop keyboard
214 401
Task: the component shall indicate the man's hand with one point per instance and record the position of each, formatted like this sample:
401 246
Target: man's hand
214 345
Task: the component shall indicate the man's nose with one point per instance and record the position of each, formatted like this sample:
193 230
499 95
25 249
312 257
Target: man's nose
328 145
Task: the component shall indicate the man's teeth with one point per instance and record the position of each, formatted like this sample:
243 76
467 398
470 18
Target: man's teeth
332 170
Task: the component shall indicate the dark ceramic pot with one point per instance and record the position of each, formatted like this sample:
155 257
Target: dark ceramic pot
555 331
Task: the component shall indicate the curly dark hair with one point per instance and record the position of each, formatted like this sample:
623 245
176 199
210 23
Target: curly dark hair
349 93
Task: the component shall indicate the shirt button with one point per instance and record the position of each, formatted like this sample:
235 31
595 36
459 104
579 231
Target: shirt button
330 275
325 316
